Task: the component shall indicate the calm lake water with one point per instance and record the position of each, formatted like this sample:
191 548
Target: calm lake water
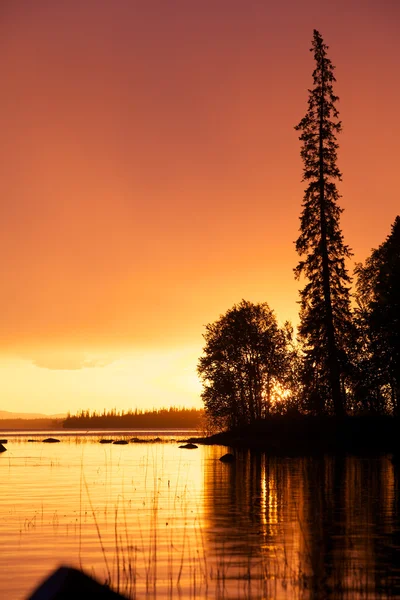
162 521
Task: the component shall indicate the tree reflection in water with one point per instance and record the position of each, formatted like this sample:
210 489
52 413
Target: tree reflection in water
315 527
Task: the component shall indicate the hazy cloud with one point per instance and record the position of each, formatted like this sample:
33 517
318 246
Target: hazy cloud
68 361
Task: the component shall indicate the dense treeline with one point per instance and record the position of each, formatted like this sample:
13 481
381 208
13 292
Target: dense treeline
377 316
179 418
346 357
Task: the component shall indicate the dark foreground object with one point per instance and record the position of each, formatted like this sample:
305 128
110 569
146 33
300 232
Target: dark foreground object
67 583
2 448
227 458
305 434
3 441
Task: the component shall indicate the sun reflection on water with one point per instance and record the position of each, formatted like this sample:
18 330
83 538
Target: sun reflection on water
155 519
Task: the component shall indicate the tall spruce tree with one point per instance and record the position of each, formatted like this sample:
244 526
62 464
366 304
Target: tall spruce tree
325 300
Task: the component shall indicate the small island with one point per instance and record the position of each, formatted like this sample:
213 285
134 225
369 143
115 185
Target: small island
335 386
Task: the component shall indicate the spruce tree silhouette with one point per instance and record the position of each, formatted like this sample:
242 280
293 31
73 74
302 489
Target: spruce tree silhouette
378 295
325 315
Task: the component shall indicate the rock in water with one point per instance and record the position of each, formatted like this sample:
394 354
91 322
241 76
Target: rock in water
121 442
3 441
227 458
67 582
106 441
189 446
50 440
2 448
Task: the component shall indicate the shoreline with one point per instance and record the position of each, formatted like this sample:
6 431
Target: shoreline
303 434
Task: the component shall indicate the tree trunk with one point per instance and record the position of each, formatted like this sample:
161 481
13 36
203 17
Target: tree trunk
334 373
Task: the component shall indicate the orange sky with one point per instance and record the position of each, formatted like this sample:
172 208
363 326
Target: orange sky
151 178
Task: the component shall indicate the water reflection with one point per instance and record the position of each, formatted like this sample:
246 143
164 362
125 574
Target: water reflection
320 527
180 523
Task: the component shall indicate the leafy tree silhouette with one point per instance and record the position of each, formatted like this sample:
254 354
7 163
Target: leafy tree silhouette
244 363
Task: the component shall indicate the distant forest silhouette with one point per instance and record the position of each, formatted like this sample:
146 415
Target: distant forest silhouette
345 359
168 418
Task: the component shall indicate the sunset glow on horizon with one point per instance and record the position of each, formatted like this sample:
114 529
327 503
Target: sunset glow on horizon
151 178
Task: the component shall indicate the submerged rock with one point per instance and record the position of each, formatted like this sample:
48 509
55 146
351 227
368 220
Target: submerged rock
121 442
189 446
138 440
2 448
227 458
106 441
50 441
33 440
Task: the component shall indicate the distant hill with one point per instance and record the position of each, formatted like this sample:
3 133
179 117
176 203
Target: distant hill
5 414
